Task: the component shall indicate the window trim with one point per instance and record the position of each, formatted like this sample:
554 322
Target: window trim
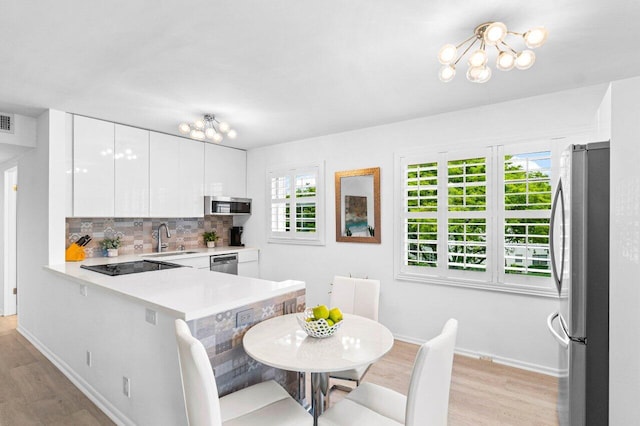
293 237
495 278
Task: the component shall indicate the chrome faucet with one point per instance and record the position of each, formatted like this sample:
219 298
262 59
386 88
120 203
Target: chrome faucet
162 245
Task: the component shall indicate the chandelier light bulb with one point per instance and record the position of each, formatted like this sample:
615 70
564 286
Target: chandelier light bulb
479 74
197 134
478 58
199 124
224 127
447 54
506 61
495 33
446 74
184 128
217 138
232 134
535 37
210 132
525 59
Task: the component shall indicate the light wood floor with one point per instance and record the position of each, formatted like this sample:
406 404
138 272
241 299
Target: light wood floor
482 392
34 392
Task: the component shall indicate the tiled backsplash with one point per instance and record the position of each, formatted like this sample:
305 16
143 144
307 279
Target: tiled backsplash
141 235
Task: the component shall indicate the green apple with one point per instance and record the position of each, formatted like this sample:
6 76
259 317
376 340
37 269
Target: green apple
335 315
329 322
321 311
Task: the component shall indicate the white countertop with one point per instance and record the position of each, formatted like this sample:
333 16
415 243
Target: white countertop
185 292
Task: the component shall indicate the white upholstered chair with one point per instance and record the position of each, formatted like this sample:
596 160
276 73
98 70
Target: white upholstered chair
359 297
427 402
265 404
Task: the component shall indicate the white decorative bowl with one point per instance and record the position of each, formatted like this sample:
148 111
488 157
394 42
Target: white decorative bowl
319 328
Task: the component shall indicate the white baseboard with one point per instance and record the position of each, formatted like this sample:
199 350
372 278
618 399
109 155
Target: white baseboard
523 365
96 397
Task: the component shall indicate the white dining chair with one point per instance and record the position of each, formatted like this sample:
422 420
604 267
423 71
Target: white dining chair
427 402
359 297
265 404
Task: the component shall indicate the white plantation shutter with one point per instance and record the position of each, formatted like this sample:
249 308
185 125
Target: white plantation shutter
527 211
296 205
421 209
467 214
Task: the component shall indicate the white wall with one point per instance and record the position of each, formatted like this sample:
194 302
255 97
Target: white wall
507 326
624 297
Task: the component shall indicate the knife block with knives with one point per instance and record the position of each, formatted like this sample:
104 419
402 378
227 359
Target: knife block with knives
75 252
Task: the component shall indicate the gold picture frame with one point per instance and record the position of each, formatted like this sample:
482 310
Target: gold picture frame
358 206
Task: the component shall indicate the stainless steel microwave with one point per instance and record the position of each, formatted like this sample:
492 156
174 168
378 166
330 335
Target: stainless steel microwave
227 206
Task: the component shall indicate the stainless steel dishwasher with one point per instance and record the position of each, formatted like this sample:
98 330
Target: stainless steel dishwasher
227 263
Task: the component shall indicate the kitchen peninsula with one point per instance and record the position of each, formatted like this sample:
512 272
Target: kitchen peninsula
115 336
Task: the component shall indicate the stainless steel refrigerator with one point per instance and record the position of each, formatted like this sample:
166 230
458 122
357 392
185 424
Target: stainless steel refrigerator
579 241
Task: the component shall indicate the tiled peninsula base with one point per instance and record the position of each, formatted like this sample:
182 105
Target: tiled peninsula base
222 333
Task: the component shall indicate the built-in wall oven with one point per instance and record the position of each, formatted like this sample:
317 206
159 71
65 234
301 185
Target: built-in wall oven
227 263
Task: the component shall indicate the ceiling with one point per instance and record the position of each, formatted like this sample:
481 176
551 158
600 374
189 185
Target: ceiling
283 70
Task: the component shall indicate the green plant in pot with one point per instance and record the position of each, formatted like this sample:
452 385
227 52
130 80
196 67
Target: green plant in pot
110 246
210 238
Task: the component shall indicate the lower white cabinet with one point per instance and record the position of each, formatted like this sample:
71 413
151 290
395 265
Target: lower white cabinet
249 263
193 262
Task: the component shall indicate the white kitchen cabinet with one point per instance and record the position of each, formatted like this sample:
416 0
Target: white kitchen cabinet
131 155
249 263
176 176
201 262
93 178
225 172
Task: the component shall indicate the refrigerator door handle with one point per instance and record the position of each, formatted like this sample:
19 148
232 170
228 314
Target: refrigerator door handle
559 196
563 340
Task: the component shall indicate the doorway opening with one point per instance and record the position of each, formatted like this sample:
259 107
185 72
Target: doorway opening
10 287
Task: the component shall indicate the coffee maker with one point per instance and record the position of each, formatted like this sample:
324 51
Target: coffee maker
236 236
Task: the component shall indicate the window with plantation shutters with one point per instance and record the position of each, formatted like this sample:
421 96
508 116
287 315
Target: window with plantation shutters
477 218
296 205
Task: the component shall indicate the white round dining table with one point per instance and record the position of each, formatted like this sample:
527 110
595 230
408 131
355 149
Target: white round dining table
280 342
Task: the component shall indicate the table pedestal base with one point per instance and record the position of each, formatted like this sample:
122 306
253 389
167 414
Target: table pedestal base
319 390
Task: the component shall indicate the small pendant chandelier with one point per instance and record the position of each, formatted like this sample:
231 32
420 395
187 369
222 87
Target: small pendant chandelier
207 128
490 34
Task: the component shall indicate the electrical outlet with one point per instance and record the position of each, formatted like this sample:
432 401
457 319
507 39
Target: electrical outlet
151 316
244 317
484 357
126 387
89 358
83 289
290 306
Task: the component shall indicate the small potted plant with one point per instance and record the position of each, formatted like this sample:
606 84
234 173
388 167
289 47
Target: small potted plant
110 245
210 238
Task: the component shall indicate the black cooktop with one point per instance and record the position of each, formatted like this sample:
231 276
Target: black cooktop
130 267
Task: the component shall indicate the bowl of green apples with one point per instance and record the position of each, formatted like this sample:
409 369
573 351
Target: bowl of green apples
320 321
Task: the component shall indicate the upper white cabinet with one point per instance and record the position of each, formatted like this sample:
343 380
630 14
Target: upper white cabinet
176 176
93 179
225 172
123 171
131 155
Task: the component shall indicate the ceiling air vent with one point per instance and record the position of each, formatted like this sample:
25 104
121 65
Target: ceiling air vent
6 123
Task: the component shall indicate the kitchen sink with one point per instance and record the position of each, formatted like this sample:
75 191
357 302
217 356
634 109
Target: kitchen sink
168 253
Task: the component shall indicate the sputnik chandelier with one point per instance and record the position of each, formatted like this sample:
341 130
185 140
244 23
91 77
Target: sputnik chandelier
207 128
490 34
